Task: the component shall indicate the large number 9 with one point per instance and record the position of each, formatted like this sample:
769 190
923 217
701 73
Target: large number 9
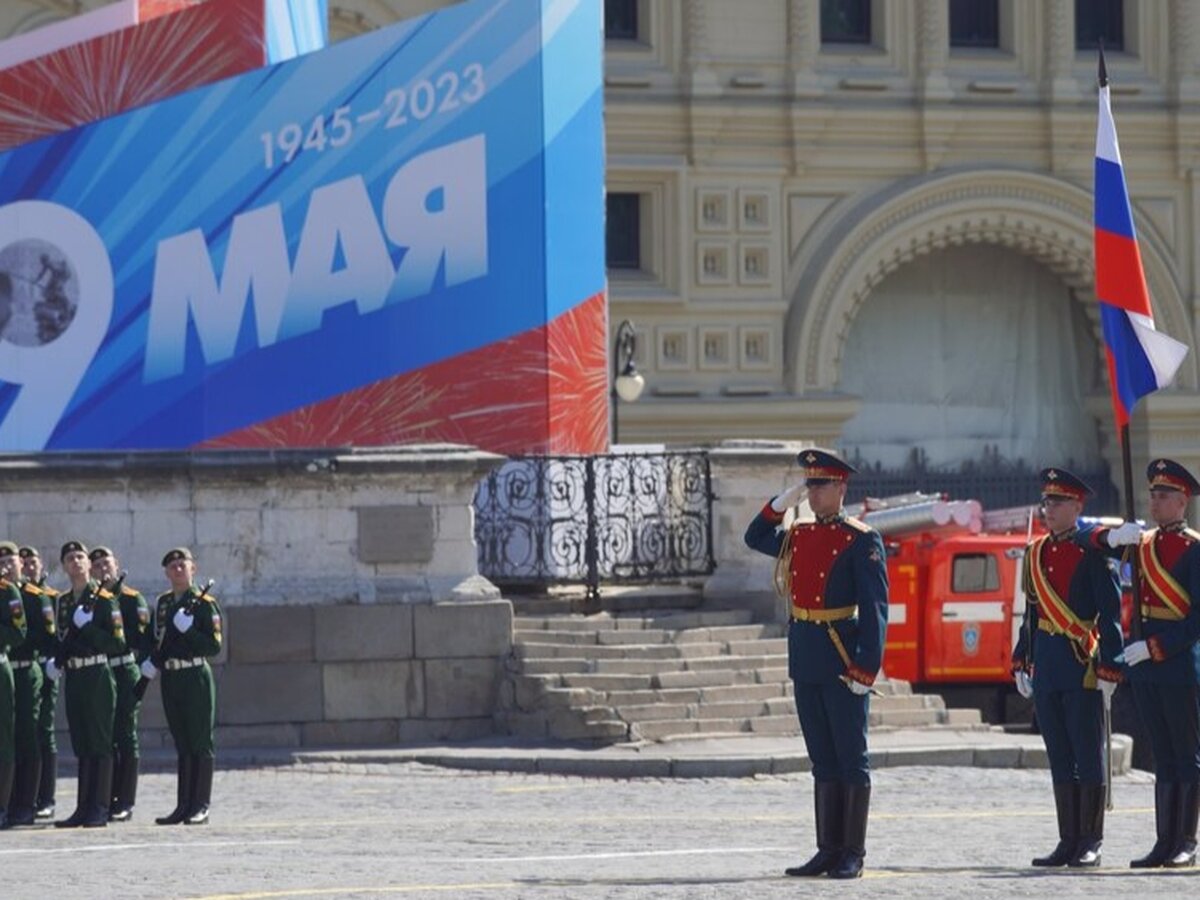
49 374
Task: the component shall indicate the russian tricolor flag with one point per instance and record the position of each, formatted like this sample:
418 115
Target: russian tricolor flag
1140 359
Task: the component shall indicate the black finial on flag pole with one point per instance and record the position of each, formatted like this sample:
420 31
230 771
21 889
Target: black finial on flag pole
1103 69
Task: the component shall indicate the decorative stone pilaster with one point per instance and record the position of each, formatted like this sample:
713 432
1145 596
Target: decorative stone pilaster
933 49
698 53
1185 51
1060 85
804 46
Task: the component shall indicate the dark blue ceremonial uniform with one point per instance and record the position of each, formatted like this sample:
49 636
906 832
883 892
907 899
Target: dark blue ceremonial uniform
1166 687
836 576
835 564
1070 639
1069 708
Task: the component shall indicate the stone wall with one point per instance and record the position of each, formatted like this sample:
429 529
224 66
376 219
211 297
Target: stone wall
354 612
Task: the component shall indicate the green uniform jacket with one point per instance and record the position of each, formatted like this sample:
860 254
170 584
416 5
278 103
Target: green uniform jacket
91 692
12 634
189 694
41 637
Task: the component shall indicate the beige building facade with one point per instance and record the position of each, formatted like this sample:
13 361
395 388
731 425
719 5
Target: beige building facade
883 244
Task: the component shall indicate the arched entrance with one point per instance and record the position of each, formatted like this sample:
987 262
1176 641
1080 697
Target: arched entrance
1039 232
971 348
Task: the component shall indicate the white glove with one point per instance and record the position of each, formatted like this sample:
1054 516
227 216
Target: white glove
1137 652
149 672
1024 684
52 670
855 686
182 620
788 498
81 616
1107 689
1123 535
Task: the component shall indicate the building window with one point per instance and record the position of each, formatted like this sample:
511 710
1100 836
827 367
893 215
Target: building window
621 20
1099 21
623 231
974 23
845 21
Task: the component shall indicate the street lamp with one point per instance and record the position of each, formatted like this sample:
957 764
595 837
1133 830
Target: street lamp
627 380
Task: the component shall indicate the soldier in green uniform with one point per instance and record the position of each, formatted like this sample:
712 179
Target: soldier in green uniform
35 574
139 641
12 634
93 630
189 625
40 640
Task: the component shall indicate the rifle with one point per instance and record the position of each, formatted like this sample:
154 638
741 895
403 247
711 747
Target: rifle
158 656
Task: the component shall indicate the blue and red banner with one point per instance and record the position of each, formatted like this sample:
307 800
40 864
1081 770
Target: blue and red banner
395 239
1140 359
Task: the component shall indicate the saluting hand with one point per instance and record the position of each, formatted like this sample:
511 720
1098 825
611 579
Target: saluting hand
788 498
81 616
183 620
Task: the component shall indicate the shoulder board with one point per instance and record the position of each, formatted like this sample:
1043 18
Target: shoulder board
30 588
104 594
209 598
128 591
857 524
5 583
49 592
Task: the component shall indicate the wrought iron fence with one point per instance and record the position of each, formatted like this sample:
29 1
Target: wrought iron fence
542 520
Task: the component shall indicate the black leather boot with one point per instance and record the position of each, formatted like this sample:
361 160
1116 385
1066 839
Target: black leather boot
102 779
201 790
1187 810
8 771
1164 827
125 787
183 793
47 784
1091 827
1066 804
83 794
855 809
24 795
827 798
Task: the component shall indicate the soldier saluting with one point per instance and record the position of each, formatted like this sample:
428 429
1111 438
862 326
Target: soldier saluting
1164 668
189 626
834 573
1066 659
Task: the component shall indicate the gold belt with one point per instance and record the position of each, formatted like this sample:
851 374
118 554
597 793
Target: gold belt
1160 612
801 614
1049 627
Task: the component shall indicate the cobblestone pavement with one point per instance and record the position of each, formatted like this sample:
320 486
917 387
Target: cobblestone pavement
341 830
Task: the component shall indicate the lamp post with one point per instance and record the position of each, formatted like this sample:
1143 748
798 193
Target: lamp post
627 380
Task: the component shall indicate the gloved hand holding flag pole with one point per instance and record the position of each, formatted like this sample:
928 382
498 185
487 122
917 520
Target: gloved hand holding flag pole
1140 359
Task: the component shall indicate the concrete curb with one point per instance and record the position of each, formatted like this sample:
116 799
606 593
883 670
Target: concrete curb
668 760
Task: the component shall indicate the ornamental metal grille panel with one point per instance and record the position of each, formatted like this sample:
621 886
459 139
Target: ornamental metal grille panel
542 520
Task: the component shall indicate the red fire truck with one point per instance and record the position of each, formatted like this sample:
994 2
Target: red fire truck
956 605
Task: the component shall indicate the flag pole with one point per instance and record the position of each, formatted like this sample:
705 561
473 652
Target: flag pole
1131 555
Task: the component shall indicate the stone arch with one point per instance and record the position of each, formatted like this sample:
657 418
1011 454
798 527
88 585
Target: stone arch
1045 218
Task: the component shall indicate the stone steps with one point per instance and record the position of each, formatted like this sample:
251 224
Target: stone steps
668 674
